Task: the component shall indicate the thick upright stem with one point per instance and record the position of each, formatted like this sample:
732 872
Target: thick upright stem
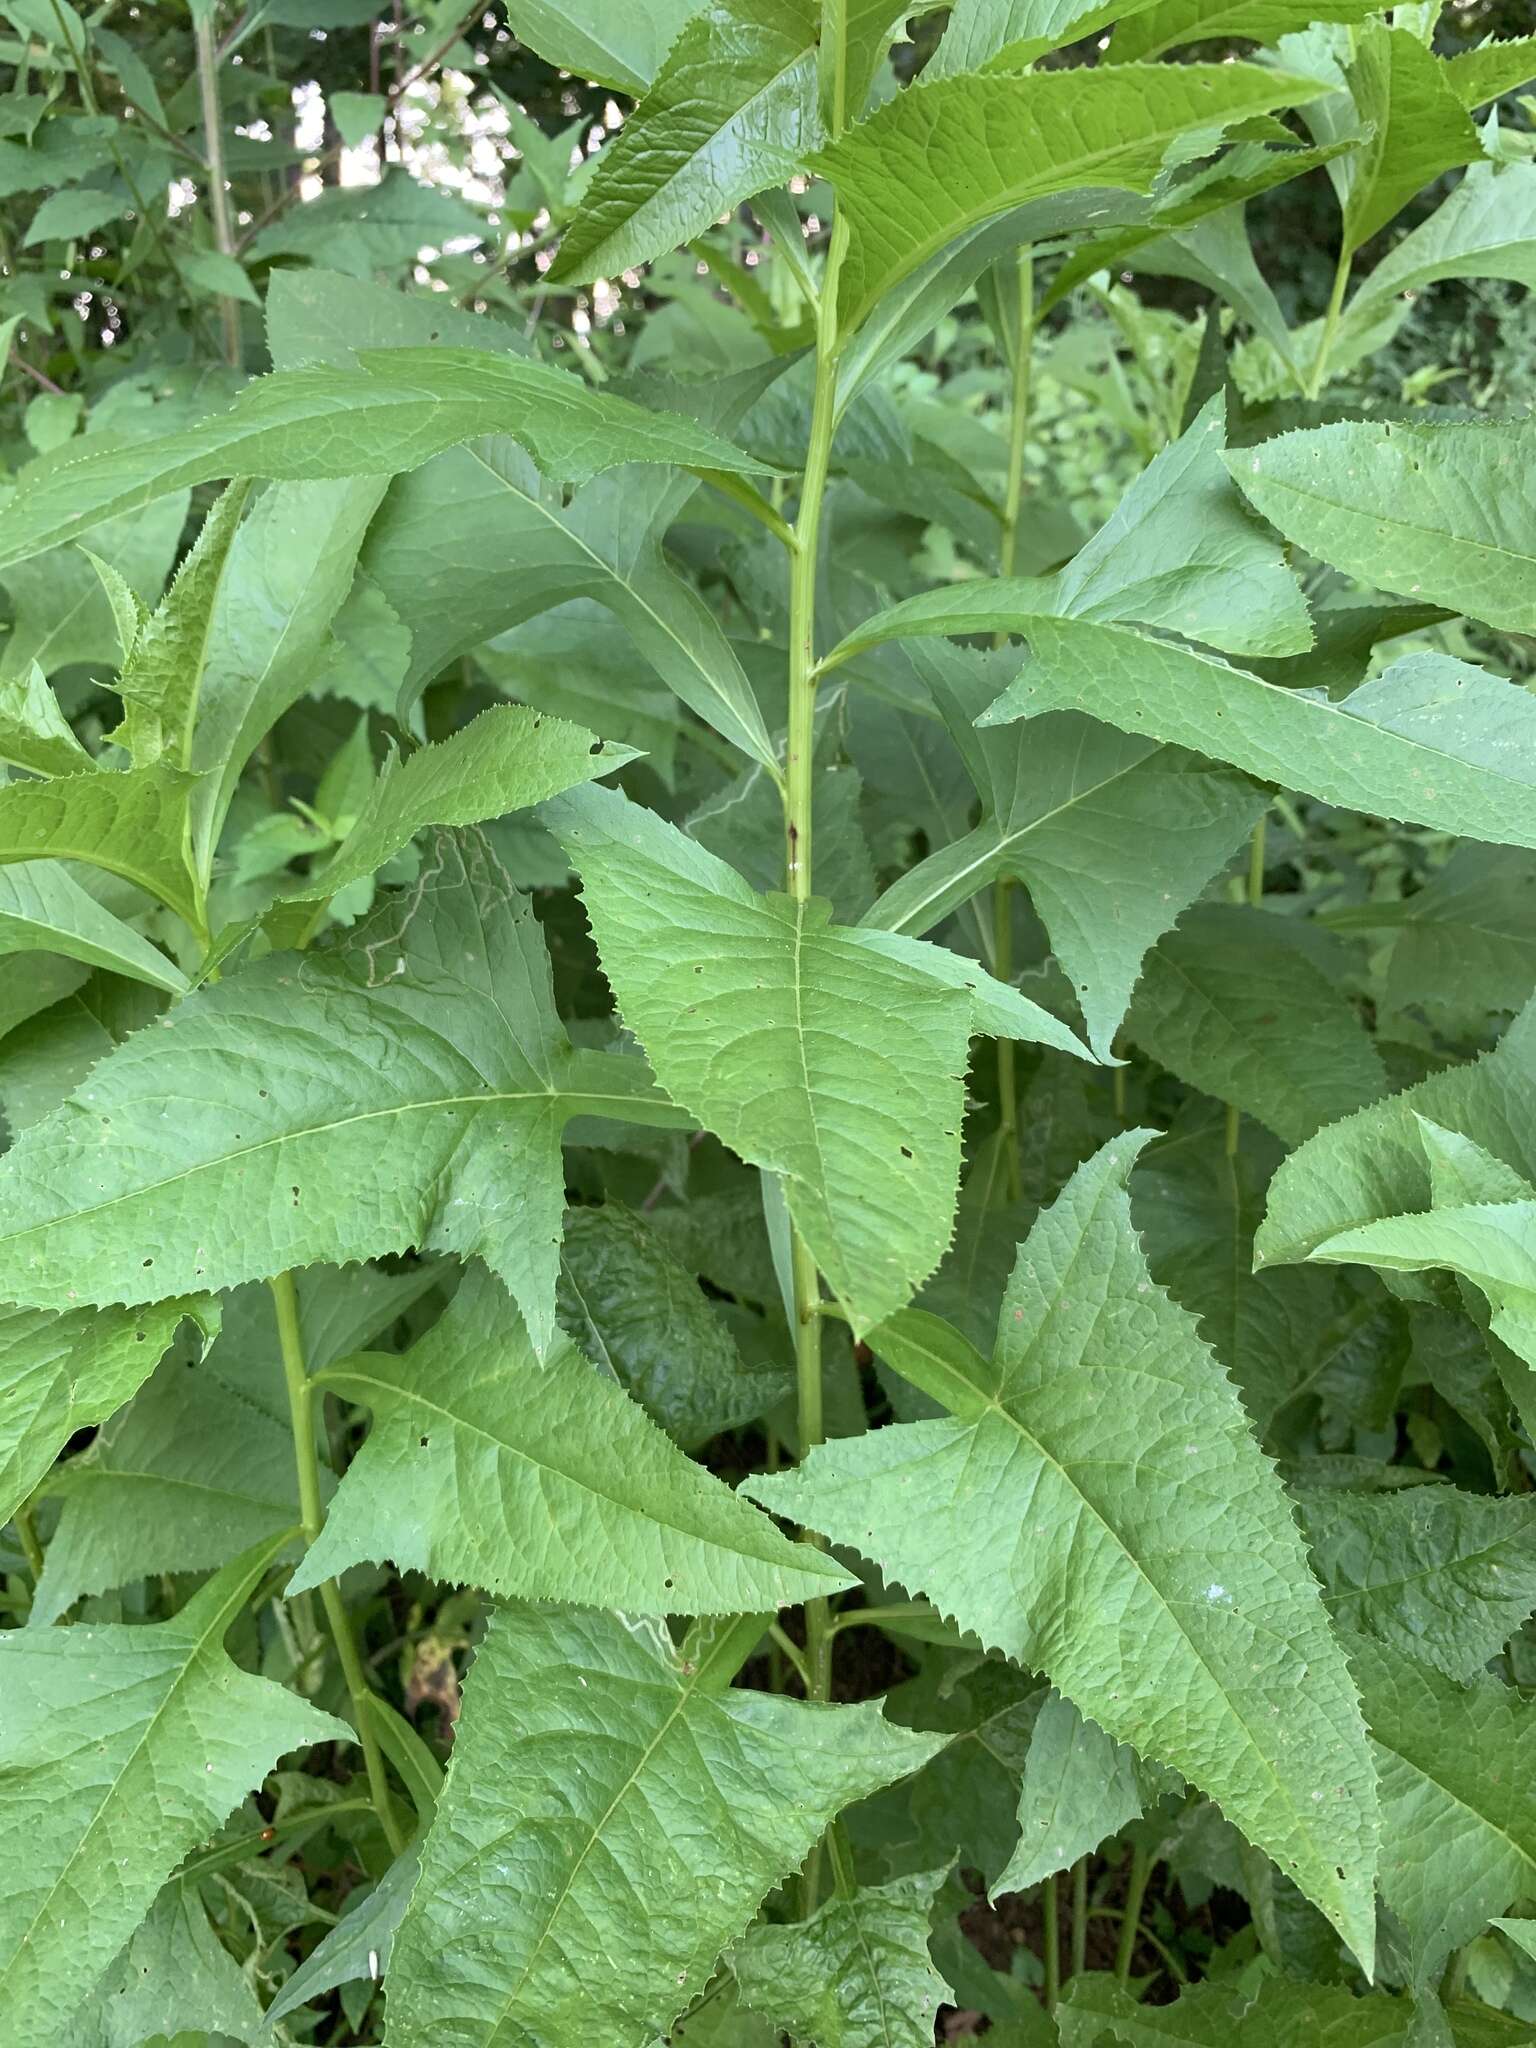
1080 1917
1135 1893
1051 1942
1319 372
312 1515
218 196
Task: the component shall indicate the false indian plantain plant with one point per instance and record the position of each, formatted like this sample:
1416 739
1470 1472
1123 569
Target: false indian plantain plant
803 1025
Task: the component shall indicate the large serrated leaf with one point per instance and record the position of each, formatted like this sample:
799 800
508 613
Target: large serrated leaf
614 1817
407 1088
541 1479
832 1055
121 1749
1096 1507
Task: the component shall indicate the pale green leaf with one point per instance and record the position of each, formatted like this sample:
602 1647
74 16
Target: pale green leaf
63 611
34 732
1486 228
1441 1576
1374 1164
636 1312
1234 1001
615 46
366 228
857 1974
60 1373
1095 1507
614 1817
1414 126
1171 22
541 1479
1075 811
1457 1765
1080 1786
944 157
406 1088
798 1042
121 1749
43 908
1431 739
358 115
1446 513
505 760
397 409
1491 70
733 108
1012 33
132 822
359 1944
70 216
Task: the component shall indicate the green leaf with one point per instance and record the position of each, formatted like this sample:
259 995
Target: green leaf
131 822
1069 805
120 1750
855 1975
619 47
614 1816
1374 1163
366 228
1491 70
71 216
1430 739
357 115
1463 945
367 1099
200 1464
217 276
43 908
1281 2013
1235 1002
634 1310
1171 22
1458 1806
60 1373
359 1944
397 409
174 1976
505 760
1095 1507
943 158
1439 512
1008 34
1414 129
1441 1576
1486 228
541 1479
1080 1787
831 1055
34 732
733 108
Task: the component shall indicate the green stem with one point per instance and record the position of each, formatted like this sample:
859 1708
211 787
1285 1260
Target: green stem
285 1301
1051 1944
877 1617
790 1650
218 196
1254 894
26 1533
1135 1893
1319 372
1007 1082
1079 1916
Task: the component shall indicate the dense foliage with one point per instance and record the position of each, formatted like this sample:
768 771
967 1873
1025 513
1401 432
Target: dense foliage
769 849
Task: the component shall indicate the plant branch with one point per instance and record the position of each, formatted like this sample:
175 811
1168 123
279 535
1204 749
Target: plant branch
1319 372
285 1302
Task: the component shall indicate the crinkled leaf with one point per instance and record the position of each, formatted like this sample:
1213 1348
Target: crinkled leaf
1096 1507
1446 513
407 1088
1234 1001
947 156
806 1049
398 408
857 1974
1442 1576
175 1977
615 1815
541 1479
133 822
122 1748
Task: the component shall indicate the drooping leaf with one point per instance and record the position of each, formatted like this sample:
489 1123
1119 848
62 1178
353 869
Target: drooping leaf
1495 67
34 733
616 47
1442 1576
407 1088
857 1974
944 158
1431 738
1486 228
1009 34
1440 512
397 409
615 1815
541 1479
359 1944
1234 1002
1457 1806
174 1976
60 1373
121 1748
1080 1786
132 822
1163 27
43 908
1095 1506
803 1045
1414 128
